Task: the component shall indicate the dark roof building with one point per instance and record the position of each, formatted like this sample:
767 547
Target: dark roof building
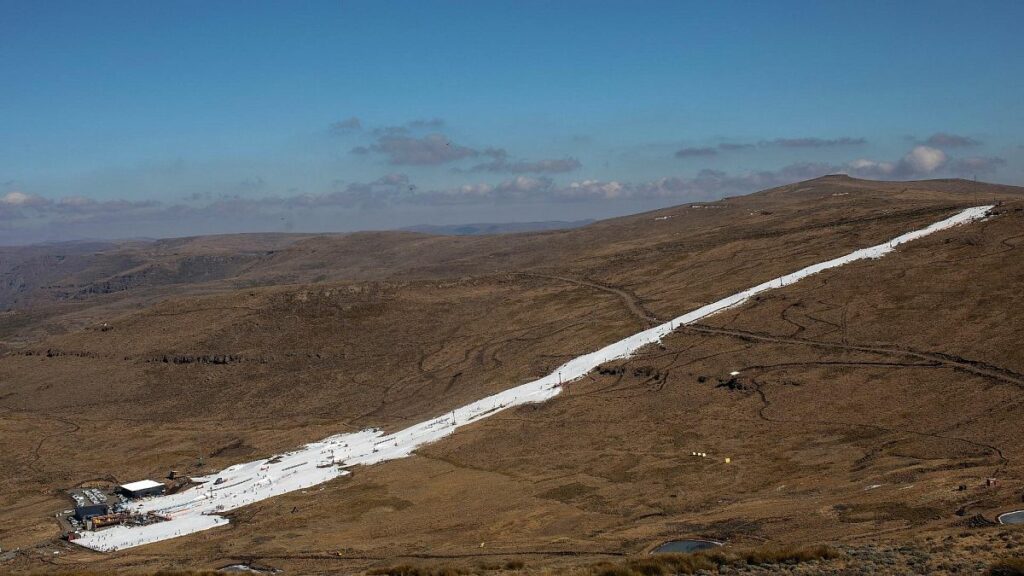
86 511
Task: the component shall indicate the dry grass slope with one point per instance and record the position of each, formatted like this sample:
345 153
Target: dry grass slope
872 404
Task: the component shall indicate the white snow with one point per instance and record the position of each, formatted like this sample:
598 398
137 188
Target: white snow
197 508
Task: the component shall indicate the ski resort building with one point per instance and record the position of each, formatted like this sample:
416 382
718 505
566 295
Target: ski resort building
142 488
83 513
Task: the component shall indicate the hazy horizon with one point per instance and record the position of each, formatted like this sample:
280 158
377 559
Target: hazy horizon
427 228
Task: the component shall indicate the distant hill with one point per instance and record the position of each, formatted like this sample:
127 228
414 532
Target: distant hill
484 228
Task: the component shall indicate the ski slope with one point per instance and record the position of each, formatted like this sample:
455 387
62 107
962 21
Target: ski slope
198 508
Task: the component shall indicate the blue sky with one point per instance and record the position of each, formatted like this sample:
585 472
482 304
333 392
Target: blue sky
170 118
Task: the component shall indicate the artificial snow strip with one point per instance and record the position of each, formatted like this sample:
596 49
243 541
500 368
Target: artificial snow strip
198 508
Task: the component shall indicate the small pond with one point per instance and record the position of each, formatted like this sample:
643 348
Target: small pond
685 546
1012 517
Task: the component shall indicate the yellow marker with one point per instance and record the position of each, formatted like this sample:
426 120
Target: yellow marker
727 459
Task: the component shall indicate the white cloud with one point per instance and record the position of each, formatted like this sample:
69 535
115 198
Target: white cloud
594 189
921 161
925 159
866 167
17 199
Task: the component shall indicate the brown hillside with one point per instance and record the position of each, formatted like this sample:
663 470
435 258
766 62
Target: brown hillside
866 397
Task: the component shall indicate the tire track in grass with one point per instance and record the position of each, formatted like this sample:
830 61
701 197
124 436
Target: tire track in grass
978 368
